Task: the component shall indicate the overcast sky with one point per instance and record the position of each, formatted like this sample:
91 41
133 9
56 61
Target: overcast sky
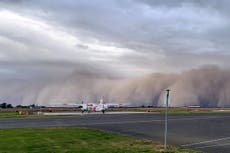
123 37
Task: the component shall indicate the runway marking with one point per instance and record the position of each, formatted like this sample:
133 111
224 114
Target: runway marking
217 145
146 121
199 118
203 142
95 113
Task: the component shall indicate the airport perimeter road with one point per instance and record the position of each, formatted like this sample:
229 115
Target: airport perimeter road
206 132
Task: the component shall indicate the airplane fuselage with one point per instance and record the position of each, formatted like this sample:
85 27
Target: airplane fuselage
92 107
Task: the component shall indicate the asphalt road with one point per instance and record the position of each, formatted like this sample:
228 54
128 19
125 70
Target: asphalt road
206 132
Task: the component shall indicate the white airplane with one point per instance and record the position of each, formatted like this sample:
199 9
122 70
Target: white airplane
92 107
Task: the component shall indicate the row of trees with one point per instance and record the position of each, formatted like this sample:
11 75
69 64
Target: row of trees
5 105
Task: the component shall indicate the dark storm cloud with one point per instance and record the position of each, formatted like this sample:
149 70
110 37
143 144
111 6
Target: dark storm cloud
171 25
194 28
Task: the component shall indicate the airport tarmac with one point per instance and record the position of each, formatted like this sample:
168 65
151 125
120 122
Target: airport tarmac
91 113
206 132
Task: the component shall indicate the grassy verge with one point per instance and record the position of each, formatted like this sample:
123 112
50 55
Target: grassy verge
10 114
193 111
15 115
174 110
75 140
187 112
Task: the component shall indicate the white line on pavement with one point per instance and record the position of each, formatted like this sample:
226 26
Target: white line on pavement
217 145
202 142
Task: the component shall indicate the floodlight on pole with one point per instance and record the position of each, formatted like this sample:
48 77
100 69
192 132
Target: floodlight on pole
166 118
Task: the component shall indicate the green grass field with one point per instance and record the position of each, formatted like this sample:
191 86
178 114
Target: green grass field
75 140
15 115
184 111
171 111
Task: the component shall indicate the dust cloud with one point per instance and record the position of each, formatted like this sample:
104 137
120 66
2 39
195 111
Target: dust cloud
208 86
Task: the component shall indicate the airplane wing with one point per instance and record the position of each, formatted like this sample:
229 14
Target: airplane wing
114 105
66 105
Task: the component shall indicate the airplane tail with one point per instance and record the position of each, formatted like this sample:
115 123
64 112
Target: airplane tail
102 101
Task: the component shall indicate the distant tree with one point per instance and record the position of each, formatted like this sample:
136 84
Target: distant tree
9 106
3 105
32 106
19 106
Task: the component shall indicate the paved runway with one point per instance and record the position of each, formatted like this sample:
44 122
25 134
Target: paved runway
206 132
91 113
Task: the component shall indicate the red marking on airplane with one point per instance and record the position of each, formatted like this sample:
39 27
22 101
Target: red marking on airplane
94 108
89 104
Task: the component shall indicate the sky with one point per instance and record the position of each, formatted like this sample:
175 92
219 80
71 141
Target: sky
120 37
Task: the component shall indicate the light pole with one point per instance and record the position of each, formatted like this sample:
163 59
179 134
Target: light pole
166 118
